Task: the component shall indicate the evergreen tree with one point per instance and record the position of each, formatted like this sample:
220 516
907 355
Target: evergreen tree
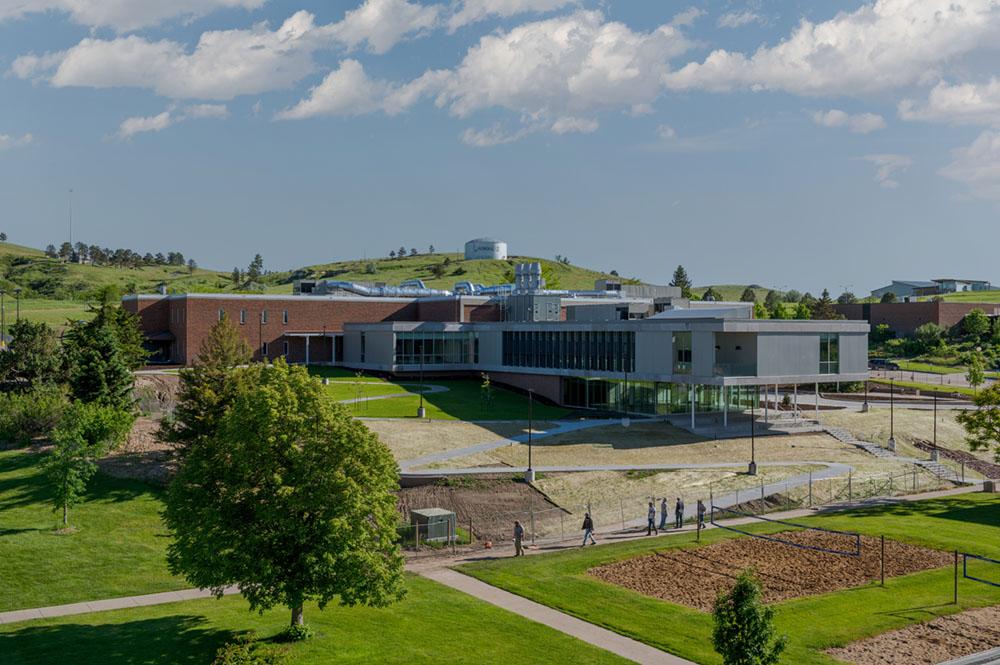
430 250
3 237
33 357
888 297
847 298
237 277
773 304
744 631
401 253
50 251
682 280
256 268
748 295
712 295
98 371
302 508
823 309
413 251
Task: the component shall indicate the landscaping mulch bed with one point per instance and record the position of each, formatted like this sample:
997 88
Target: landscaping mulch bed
988 469
936 641
695 576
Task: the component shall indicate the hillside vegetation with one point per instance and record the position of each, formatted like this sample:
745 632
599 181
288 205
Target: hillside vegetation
732 292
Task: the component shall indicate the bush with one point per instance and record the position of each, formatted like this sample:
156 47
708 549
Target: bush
244 651
295 633
26 416
101 427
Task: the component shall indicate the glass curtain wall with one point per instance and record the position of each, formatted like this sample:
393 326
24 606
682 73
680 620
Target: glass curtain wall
601 350
436 348
655 399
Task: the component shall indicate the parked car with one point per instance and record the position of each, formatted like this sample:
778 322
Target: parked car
882 364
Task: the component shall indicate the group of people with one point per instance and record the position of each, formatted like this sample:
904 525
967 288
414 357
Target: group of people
651 525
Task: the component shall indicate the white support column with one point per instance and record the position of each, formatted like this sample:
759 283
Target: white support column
307 349
817 400
725 406
692 405
766 391
795 399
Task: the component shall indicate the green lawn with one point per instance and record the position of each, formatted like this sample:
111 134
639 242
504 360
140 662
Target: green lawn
926 387
433 624
56 313
930 368
969 522
118 550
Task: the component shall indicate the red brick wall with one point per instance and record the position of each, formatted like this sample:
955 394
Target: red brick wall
437 310
547 386
903 318
154 315
482 312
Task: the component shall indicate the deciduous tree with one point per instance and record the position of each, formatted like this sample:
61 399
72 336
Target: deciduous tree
290 499
748 295
744 631
68 467
33 357
982 426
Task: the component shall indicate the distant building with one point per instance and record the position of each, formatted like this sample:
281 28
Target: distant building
907 289
903 318
485 248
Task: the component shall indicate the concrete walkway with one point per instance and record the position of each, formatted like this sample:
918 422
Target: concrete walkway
564 623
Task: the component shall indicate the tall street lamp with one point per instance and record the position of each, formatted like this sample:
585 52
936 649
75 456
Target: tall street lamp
421 411
626 421
530 475
752 469
892 415
934 450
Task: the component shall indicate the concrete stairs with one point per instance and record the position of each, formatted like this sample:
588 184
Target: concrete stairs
844 436
940 470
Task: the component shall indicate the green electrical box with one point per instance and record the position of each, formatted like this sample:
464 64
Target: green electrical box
433 524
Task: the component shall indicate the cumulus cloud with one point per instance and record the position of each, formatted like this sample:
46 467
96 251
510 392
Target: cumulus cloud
978 166
472 11
493 135
122 15
887 167
666 132
555 73
687 17
225 63
157 123
381 24
967 103
739 19
8 141
882 45
861 123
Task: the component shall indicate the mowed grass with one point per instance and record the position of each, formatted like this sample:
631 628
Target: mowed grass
56 313
433 624
969 522
928 387
119 548
929 368
463 399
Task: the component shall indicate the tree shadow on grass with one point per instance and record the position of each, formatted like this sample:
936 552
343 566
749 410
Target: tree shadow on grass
172 639
960 509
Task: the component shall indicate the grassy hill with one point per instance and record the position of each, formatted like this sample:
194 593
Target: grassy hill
973 296
732 292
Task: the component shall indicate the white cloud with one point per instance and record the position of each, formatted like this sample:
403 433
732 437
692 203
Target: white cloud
666 132
472 11
157 123
887 167
687 17
882 45
861 123
493 135
739 19
978 166
122 15
345 91
568 124
383 23
7 141
968 103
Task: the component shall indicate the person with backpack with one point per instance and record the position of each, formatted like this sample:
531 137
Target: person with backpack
588 530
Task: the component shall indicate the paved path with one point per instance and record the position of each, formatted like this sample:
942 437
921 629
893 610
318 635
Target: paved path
564 623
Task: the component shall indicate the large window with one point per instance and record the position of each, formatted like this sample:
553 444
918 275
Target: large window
682 352
829 353
605 351
436 348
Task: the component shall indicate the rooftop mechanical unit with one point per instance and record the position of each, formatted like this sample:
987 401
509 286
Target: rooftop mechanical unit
434 525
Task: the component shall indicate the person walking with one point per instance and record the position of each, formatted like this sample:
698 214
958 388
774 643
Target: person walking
651 520
663 514
588 530
701 515
678 514
518 539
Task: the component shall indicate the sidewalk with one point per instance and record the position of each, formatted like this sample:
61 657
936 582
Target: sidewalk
581 630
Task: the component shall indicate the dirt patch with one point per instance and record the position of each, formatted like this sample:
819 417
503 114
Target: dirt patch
156 394
695 576
143 456
489 503
944 638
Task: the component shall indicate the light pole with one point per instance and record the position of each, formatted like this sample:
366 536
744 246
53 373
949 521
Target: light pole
934 450
530 475
626 421
864 406
421 411
752 469
892 415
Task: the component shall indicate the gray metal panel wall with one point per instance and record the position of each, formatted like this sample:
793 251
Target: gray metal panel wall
654 352
787 354
490 348
702 353
853 353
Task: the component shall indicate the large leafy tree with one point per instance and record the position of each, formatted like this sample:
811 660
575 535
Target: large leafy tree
681 279
976 324
206 389
744 631
33 356
291 499
68 467
982 426
712 294
98 369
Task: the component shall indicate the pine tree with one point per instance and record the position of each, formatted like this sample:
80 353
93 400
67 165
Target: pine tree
682 280
823 309
256 268
744 631
748 295
712 295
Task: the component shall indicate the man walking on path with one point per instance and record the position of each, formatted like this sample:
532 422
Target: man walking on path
518 539
651 520
679 513
701 515
588 530
663 514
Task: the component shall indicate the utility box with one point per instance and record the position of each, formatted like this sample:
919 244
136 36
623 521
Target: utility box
434 525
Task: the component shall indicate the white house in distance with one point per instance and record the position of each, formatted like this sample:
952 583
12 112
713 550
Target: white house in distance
907 289
485 248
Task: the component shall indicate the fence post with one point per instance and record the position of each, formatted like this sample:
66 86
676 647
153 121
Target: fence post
850 490
472 537
883 559
621 505
762 491
562 525
954 598
890 484
810 489
914 479
416 538
963 471
531 513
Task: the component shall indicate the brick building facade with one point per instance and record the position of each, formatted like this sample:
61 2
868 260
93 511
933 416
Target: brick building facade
903 318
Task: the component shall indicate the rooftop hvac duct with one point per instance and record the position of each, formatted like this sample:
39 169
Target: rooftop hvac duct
328 286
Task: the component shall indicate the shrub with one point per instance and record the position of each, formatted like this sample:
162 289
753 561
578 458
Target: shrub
25 416
297 632
244 651
744 627
101 427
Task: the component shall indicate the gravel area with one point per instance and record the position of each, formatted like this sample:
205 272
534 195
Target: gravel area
936 641
695 576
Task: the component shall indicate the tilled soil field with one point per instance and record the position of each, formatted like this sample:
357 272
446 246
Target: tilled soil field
491 504
944 638
695 576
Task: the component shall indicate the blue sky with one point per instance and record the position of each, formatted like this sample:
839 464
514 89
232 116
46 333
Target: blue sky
790 144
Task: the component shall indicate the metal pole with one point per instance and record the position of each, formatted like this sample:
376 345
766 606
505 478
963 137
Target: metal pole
934 450
3 321
752 469
810 489
954 598
530 419
892 416
817 400
883 560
